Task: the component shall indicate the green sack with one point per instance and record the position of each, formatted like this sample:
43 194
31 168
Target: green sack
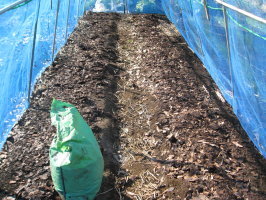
75 158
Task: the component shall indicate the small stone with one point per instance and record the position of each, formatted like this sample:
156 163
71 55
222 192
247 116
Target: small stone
12 182
44 177
9 198
3 156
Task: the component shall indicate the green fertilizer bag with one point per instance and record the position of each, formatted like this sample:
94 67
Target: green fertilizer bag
75 157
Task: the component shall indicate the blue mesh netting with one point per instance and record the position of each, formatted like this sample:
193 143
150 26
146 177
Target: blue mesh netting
248 56
240 77
16 37
144 6
131 6
105 5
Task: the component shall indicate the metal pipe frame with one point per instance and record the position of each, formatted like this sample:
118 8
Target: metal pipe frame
228 48
191 7
84 7
248 14
67 19
125 7
79 8
33 49
206 10
55 28
11 6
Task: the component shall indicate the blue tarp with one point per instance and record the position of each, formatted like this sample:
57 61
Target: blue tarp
239 69
17 28
127 6
241 76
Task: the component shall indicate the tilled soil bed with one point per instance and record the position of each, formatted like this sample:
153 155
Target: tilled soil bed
163 130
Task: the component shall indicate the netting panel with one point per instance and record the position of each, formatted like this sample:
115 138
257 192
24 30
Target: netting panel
17 32
239 69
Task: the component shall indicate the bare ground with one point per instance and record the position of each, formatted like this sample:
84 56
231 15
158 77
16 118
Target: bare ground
153 107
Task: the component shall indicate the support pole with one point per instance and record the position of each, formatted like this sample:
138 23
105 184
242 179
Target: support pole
33 49
206 10
191 7
11 6
55 28
125 7
68 11
84 7
78 8
243 12
228 48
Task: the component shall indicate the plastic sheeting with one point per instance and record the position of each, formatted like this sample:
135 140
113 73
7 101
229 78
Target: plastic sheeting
239 69
144 6
18 27
125 6
241 76
105 5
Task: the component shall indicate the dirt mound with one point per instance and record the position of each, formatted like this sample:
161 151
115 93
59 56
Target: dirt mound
163 131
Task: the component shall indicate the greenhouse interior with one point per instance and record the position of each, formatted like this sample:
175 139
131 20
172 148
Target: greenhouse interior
133 99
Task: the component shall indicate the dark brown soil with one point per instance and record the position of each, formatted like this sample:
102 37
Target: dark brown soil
163 131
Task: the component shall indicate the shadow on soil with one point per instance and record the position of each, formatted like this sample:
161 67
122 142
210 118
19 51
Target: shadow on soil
109 126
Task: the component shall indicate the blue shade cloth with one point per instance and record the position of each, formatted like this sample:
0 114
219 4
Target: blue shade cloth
239 69
121 6
106 5
248 56
240 77
144 6
17 27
